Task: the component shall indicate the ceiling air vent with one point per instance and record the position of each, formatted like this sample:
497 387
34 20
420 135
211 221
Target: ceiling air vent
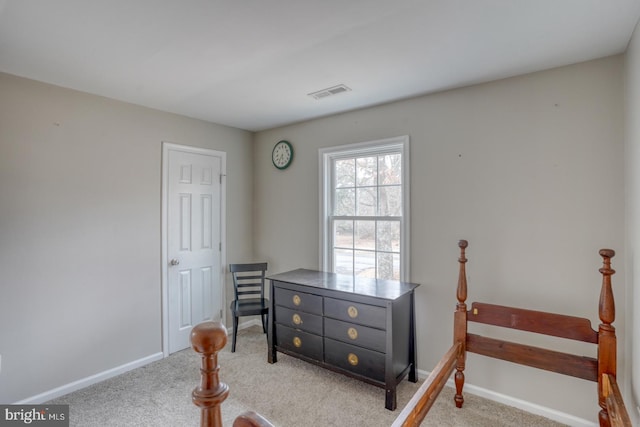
329 91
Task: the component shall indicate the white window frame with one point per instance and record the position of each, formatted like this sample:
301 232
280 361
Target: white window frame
326 158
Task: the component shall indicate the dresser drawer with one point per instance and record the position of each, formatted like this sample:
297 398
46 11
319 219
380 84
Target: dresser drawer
299 320
300 342
369 315
299 300
355 359
362 336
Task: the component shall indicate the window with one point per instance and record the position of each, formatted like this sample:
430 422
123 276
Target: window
365 204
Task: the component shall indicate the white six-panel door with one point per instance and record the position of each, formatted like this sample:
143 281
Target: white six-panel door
193 242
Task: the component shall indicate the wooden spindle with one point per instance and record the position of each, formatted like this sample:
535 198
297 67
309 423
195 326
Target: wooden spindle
460 323
208 338
607 341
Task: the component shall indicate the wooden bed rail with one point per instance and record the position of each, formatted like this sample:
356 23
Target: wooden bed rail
601 370
251 419
618 416
417 408
207 339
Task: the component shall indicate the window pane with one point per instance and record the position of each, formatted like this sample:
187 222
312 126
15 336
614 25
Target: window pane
390 169
343 234
343 261
390 201
345 173
345 202
388 266
364 263
388 237
367 171
365 236
363 199
366 201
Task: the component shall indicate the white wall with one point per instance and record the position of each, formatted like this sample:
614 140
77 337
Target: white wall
632 157
528 169
80 203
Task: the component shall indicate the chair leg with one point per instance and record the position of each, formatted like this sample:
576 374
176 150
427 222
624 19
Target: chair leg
264 323
235 333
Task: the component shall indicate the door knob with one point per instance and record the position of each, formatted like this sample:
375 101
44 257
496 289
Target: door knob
174 262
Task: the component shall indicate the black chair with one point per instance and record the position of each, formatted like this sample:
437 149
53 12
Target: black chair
248 284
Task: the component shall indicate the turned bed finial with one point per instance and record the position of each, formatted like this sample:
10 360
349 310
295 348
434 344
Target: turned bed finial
462 274
607 307
208 338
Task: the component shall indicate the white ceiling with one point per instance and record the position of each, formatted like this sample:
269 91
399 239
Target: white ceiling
251 63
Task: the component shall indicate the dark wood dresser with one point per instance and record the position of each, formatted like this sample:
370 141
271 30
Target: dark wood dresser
360 327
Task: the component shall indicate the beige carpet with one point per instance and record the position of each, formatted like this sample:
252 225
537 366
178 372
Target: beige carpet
290 393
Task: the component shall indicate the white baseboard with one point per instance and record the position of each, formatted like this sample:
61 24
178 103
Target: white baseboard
93 379
533 408
530 407
85 382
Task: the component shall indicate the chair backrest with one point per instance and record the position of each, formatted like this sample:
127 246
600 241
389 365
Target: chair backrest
248 279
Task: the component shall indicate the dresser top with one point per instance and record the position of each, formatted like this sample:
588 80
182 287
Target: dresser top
378 288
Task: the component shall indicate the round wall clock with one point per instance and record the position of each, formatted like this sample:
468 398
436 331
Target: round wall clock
282 155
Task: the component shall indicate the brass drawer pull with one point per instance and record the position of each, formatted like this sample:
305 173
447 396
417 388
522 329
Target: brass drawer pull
296 300
353 333
297 320
352 312
353 359
297 342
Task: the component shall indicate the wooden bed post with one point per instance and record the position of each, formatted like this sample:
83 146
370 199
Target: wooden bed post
606 333
460 323
208 338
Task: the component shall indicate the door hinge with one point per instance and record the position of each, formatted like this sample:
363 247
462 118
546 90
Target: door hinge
220 246
221 175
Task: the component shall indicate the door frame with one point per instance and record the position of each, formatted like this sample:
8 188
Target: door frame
164 260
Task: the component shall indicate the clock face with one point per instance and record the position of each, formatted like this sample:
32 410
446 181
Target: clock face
282 155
